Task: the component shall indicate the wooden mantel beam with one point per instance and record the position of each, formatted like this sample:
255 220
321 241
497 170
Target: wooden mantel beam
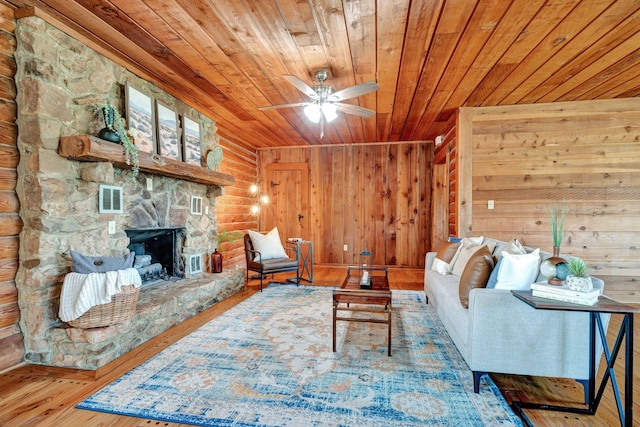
87 148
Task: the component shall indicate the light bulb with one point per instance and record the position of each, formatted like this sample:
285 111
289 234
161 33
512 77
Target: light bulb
253 189
264 199
255 209
312 111
330 111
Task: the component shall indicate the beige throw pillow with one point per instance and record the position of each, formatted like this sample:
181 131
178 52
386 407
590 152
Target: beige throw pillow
513 247
469 247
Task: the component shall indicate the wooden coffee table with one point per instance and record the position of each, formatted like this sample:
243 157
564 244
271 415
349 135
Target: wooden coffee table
376 300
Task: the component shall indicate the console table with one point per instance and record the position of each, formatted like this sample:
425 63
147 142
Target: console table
625 334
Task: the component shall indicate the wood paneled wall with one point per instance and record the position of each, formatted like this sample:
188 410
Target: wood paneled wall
446 154
374 193
11 346
586 154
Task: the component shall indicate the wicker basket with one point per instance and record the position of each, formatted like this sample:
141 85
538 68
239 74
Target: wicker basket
121 307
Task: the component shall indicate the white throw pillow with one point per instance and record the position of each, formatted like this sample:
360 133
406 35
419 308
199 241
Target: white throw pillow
441 266
518 272
268 245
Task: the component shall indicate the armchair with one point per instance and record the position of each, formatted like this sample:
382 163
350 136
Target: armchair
269 266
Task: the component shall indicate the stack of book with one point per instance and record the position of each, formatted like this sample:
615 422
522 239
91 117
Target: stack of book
564 294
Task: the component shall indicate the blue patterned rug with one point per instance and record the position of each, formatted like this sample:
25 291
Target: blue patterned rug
268 362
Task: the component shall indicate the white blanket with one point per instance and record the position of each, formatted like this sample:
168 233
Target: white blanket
80 292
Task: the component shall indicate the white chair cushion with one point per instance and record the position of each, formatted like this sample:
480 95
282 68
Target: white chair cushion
268 245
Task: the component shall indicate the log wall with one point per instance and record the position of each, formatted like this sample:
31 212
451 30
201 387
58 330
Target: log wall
586 154
11 345
233 208
374 193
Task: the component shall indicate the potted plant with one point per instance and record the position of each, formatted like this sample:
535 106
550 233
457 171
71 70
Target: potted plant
115 131
578 278
557 214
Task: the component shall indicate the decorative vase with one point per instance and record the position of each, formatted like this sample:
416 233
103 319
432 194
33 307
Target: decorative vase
581 284
554 267
107 133
216 262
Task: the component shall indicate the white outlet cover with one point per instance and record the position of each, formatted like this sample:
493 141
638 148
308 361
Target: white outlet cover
112 227
149 184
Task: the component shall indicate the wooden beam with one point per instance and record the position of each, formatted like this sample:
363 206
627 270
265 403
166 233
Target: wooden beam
86 148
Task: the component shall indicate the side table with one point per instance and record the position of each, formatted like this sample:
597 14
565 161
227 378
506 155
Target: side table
304 249
625 334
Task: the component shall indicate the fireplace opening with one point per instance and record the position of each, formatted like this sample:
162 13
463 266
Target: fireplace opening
158 253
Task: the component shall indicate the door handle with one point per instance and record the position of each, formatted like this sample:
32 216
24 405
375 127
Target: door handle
300 216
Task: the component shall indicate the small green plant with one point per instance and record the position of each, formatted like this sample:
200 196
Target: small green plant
557 214
225 236
114 122
577 267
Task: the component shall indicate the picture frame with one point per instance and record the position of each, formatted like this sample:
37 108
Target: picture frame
169 143
141 118
192 153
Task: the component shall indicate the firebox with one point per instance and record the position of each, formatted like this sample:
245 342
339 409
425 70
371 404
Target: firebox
158 253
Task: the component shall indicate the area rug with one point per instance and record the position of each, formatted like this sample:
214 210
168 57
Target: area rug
268 361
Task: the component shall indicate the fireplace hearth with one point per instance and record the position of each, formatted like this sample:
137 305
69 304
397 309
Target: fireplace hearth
158 253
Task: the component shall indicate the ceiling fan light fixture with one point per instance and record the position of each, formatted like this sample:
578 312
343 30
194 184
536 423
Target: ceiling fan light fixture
330 111
312 111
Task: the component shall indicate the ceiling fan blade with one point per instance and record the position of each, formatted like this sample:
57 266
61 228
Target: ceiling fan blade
354 109
354 91
301 86
273 107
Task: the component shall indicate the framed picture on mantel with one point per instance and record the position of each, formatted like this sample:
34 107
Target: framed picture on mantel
191 141
141 118
167 124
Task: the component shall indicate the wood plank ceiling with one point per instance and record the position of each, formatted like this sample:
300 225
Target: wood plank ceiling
227 57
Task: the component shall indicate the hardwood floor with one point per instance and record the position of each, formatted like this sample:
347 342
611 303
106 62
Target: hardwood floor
36 396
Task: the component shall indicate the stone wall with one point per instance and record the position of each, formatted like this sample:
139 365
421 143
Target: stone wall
59 81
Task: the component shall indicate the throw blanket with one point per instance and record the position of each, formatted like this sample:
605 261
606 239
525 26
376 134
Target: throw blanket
80 292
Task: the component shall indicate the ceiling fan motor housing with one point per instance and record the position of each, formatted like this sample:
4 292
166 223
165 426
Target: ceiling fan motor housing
322 75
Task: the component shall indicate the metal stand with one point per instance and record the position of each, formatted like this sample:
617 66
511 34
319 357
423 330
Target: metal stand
625 334
304 249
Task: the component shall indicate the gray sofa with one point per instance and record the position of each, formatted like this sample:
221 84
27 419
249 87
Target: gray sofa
499 333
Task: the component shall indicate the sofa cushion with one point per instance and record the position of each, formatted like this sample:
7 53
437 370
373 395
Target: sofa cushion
445 257
268 245
84 264
518 272
476 273
513 247
469 247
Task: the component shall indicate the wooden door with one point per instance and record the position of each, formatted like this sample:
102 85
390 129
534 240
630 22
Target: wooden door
440 203
287 185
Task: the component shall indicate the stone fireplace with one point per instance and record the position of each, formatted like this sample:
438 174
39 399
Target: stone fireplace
158 253
58 79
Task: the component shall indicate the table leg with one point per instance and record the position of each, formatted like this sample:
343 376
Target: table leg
335 310
389 329
628 368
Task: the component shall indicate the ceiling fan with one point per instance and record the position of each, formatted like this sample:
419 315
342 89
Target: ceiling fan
324 103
